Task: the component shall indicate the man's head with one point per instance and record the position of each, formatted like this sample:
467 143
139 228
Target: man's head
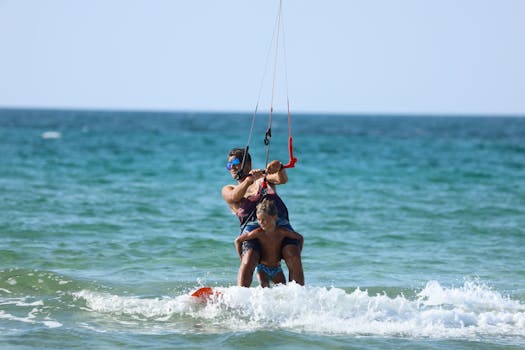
235 162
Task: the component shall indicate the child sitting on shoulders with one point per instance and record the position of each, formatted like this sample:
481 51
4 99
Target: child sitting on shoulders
270 237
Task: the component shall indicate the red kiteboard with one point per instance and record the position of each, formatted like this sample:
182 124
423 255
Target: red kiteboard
205 293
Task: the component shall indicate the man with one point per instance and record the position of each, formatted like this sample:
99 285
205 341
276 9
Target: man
242 200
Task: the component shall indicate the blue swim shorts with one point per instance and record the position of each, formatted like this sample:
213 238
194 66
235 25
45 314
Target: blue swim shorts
270 271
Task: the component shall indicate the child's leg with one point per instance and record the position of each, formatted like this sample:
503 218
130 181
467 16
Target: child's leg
263 278
279 278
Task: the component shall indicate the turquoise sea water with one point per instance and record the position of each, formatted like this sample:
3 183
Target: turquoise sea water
414 232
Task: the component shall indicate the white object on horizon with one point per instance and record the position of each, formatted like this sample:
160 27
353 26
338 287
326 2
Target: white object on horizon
51 135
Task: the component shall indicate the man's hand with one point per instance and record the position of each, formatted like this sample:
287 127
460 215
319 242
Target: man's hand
274 167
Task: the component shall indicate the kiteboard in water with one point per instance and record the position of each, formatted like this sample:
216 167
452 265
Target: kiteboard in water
205 294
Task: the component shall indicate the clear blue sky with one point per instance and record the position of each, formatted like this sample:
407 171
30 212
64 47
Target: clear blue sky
344 56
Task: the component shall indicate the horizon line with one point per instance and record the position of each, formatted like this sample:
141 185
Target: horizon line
297 113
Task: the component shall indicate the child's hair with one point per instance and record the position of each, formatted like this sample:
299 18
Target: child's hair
266 207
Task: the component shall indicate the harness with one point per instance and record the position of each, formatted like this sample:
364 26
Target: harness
263 193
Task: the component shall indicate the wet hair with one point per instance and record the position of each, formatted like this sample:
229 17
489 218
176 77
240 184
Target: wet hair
239 153
267 207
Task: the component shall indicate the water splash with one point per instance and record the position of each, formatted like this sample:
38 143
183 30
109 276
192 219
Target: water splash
468 312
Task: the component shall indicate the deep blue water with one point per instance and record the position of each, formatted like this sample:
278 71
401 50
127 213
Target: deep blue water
414 232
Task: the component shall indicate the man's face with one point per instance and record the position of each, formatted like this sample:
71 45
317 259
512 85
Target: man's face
234 165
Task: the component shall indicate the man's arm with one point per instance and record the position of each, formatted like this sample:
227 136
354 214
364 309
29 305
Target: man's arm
232 195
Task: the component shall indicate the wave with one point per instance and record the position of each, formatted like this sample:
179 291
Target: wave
30 297
51 135
471 311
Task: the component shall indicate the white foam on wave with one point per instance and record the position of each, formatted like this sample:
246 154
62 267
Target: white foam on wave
32 317
51 135
146 308
471 311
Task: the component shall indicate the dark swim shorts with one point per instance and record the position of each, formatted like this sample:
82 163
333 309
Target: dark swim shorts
252 243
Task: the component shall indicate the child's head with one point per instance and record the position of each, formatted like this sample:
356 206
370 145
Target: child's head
266 213
267 207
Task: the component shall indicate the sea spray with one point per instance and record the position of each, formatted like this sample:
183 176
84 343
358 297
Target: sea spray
473 311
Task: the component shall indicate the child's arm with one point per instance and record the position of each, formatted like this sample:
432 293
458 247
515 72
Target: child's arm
245 237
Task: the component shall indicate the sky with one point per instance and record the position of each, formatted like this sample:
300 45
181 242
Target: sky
334 56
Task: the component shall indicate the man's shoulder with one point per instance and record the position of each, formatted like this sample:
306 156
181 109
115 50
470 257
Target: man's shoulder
227 188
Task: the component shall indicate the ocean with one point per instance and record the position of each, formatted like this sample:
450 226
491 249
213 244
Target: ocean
414 232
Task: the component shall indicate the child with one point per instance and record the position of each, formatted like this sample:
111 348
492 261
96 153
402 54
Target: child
270 237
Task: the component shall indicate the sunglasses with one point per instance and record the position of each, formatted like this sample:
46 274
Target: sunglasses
234 161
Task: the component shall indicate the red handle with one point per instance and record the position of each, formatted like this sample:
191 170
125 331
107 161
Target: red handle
293 160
